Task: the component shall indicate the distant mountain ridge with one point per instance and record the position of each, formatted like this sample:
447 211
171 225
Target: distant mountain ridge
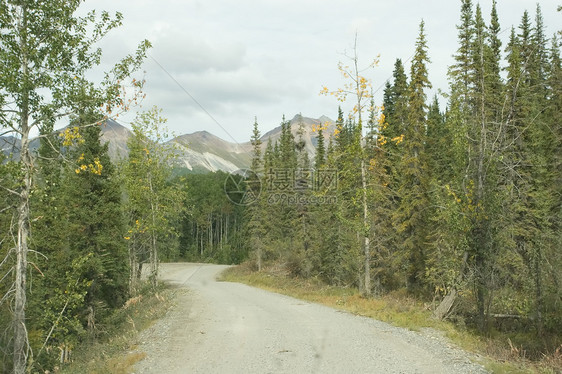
117 136
200 151
111 132
203 151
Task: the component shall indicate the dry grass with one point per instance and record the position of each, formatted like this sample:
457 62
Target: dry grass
400 310
117 353
123 364
394 308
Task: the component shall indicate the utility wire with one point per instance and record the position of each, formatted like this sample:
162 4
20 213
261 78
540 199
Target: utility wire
193 98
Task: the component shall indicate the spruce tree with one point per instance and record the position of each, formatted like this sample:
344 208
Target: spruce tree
320 155
531 145
62 286
437 144
411 215
390 141
257 210
460 71
256 148
493 81
554 113
96 227
47 51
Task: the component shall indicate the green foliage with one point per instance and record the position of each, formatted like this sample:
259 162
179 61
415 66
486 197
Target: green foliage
95 220
152 201
212 227
46 52
116 352
320 156
79 258
256 149
411 215
463 203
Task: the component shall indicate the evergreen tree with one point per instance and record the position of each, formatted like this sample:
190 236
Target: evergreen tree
46 53
256 226
320 155
256 148
554 113
56 304
480 189
399 117
493 82
438 142
372 128
411 215
96 225
287 147
388 100
390 141
269 156
460 72
531 146
213 228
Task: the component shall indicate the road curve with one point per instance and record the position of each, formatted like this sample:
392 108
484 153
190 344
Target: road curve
221 327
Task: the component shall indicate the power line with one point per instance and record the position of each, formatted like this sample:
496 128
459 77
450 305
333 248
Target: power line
193 98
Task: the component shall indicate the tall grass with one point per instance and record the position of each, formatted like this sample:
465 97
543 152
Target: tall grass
118 352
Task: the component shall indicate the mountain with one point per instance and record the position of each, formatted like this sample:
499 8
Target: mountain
200 151
309 135
116 135
9 145
111 132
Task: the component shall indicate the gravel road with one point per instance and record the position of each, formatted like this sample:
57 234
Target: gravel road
221 327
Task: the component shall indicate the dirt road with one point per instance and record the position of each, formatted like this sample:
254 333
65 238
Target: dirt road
220 327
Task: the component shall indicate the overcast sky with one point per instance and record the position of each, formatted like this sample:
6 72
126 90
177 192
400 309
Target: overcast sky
244 59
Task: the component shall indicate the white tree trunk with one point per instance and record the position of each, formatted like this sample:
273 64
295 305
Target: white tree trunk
20 330
366 226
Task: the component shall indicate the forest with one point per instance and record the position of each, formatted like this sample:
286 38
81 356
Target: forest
454 200
460 205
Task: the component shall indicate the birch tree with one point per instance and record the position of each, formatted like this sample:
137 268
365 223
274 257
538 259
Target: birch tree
152 200
45 51
359 88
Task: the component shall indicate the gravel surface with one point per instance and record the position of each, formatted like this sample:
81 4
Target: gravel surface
221 327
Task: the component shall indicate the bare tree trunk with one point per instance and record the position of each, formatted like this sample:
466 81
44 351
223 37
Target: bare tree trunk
153 243
259 257
211 239
220 231
20 330
226 228
153 261
201 241
446 304
538 290
366 240
365 211
449 300
133 264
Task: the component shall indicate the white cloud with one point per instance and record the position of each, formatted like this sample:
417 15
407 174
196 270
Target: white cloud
184 52
245 58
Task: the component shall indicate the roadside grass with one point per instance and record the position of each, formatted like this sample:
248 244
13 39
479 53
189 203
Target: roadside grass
116 352
498 354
